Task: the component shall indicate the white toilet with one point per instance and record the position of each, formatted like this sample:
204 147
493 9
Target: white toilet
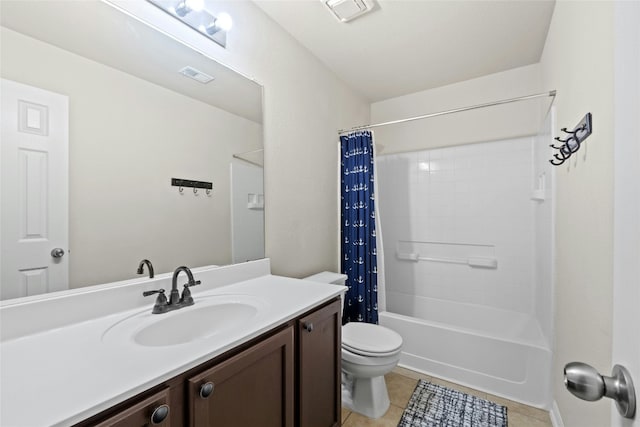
368 353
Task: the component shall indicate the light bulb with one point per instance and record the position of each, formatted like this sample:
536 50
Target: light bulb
224 21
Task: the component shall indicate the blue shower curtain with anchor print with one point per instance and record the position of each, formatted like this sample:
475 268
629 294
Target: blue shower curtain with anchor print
359 228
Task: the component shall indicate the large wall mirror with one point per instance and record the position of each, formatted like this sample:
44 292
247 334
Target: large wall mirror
101 191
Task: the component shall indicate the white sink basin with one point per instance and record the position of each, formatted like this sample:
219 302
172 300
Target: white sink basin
208 317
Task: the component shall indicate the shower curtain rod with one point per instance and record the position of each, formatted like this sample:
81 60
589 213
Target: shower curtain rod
238 156
249 152
551 93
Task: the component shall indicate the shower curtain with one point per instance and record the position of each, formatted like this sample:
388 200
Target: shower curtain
358 215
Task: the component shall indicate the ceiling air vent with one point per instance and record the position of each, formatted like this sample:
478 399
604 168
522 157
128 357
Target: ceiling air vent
348 10
196 74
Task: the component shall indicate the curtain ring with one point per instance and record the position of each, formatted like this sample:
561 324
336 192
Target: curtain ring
208 192
180 189
195 190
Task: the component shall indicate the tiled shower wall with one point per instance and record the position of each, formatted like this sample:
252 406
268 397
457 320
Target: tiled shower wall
453 204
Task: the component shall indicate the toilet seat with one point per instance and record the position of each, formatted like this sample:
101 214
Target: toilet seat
369 353
366 339
372 361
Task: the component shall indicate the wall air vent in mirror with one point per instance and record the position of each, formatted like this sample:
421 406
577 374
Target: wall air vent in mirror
196 74
348 10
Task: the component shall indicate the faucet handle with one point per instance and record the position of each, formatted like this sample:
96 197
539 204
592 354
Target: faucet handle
159 291
161 302
186 298
192 283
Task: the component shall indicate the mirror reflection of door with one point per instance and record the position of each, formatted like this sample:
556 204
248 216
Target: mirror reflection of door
34 191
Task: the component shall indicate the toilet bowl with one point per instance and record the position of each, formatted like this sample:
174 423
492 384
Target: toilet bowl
368 353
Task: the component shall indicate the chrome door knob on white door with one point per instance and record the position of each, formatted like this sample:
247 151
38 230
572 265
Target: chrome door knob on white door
57 252
585 382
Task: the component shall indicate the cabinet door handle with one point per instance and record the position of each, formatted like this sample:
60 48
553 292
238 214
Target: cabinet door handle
159 414
308 326
206 389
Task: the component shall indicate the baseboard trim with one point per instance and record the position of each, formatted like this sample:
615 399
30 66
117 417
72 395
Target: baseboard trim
556 418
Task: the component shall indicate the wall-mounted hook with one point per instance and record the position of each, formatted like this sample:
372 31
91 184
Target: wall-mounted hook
559 147
572 132
560 159
564 141
181 183
571 144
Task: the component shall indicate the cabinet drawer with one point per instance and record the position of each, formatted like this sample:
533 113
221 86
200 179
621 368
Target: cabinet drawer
152 411
253 388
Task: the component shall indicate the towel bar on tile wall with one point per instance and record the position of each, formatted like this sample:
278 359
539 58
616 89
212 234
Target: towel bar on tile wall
572 143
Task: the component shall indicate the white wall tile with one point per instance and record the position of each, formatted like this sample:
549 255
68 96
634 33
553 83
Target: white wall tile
474 194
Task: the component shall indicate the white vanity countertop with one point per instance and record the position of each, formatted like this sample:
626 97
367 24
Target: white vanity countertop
64 375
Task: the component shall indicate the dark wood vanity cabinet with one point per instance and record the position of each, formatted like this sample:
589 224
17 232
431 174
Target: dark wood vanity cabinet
319 356
287 377
253 388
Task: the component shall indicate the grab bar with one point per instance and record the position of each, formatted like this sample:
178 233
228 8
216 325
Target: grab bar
474 262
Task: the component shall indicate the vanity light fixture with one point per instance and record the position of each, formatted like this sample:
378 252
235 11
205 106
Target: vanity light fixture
186 6
222 23
195 15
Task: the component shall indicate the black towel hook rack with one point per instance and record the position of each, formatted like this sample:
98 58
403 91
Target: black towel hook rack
182 183
571 144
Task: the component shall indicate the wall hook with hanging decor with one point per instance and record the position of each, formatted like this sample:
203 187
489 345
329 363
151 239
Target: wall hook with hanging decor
571 143
182 183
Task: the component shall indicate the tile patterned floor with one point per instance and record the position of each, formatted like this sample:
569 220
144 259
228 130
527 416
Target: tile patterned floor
401 383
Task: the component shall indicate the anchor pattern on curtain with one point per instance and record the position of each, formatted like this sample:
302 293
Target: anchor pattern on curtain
359 228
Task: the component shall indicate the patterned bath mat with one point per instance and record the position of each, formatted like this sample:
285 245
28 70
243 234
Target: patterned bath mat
432 405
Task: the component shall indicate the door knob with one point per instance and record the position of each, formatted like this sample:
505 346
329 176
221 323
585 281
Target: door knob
57 252
586 383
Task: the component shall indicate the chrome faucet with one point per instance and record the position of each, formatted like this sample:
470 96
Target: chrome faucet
149 267
175 301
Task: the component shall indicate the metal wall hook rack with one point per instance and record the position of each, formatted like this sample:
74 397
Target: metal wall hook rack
182 183
570 145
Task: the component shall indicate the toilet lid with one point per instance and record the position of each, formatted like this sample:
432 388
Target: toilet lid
370 340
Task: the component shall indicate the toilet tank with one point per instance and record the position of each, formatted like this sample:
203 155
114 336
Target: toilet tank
328 277
332 278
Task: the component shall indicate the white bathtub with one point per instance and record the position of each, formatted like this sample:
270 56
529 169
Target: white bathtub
492 350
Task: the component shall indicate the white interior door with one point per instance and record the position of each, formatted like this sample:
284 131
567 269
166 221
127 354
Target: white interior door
626 298
33 190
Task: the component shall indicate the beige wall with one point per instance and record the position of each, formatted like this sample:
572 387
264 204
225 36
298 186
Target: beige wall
128 138
578 62
486 124
304 105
